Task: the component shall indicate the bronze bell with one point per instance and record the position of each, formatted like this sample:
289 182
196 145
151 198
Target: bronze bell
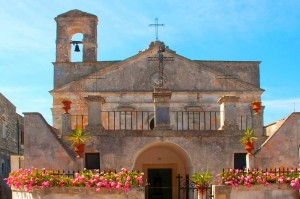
77 48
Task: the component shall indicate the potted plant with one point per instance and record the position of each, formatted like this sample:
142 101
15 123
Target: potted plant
248 139
78 140
201 181
67 105
256 106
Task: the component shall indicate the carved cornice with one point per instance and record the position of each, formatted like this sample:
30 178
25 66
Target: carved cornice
92 98
162 94
228 99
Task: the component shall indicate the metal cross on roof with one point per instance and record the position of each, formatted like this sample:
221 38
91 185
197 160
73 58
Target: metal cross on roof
156 24
161 59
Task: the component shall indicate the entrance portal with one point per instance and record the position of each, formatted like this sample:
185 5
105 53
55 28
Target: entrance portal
162 162
160 183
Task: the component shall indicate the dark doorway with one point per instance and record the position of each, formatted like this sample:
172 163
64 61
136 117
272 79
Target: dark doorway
160 183
92 161
240 160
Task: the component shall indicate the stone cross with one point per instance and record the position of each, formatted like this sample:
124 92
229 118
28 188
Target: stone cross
156 24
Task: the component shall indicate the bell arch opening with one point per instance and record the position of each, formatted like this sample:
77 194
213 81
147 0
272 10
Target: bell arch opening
77 48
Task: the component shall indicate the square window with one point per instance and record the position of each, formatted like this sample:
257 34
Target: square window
240 160
92 161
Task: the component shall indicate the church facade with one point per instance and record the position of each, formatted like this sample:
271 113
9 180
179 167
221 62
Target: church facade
156 112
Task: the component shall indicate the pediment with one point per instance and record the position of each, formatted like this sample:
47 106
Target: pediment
138 74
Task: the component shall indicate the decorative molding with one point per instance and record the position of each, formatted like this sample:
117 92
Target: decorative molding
228 99
95 98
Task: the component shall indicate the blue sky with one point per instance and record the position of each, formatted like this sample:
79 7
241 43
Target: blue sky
233 30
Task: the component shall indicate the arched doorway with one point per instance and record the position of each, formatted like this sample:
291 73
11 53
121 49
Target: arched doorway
162 162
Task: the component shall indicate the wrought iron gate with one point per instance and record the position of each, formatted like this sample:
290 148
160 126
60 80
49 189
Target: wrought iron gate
188 190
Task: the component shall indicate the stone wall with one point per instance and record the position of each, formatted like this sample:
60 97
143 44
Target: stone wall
200 150
11 125
274 191
43 148
130 83
287 136
79 193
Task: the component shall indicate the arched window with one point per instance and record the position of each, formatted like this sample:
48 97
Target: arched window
77 56
151 124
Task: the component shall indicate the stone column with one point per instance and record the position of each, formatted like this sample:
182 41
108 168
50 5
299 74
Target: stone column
94 113
228 112
65 124
249 161
161 98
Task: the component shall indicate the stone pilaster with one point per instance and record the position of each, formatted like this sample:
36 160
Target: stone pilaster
161 98
249 161
65 124
90 48
94 113
258 123
228 112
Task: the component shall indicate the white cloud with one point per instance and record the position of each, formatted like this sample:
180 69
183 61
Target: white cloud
291 105
279 109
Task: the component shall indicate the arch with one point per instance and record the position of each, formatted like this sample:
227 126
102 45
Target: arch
181 153
73 22
162 156
77 56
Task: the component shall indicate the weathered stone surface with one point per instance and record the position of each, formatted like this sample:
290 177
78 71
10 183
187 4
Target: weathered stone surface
78 193
274 191
94 104
70 23
11 131
43 148
281 149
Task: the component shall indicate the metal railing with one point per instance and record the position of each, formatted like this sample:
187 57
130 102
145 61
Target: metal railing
196 120
144 120
187 189
79 121
127 120
245 121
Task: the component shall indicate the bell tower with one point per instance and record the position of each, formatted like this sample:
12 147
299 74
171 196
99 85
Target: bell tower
70 23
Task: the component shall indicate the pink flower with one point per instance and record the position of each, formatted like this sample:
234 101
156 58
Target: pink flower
45 184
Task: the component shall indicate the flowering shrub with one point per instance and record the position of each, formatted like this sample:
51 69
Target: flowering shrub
236 177
28 179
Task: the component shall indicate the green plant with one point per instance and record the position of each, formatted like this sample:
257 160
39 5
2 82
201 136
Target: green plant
248 137
78 137
202 179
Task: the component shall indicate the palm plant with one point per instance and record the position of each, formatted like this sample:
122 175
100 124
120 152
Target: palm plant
248 137
202 179
78 137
